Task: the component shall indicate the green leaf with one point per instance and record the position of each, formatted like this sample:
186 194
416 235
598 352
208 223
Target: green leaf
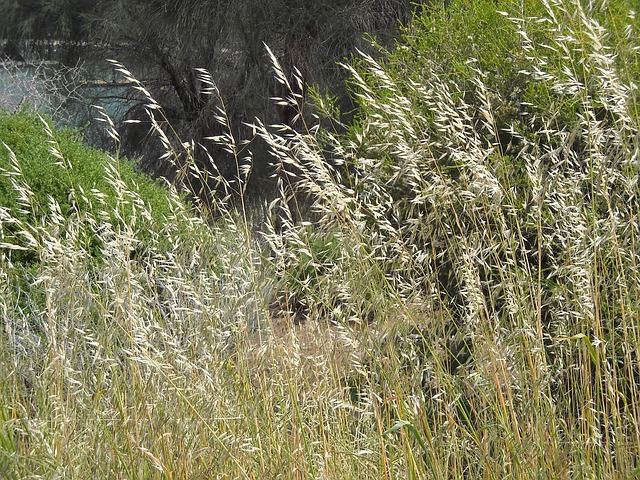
402 424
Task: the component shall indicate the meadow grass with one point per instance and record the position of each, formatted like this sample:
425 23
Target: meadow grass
445 305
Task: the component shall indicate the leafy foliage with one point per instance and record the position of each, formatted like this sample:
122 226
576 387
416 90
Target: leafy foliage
45 171
166 41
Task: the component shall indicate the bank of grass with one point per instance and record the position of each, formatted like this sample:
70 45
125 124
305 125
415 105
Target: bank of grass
462 302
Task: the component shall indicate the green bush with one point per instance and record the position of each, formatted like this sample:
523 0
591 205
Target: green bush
502 41
54 168
473 87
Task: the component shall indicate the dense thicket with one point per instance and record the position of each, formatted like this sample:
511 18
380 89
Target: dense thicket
492 175
167 40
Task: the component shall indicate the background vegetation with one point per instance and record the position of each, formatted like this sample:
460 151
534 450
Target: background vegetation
446 285
165 41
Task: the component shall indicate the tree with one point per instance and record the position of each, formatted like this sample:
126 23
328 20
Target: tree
169 39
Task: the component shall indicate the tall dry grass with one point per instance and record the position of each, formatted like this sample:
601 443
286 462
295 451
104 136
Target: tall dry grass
443 308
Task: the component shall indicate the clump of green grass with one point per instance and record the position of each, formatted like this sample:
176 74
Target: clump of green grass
491 237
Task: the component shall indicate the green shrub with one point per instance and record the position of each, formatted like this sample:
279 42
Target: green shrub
44 169
472 88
